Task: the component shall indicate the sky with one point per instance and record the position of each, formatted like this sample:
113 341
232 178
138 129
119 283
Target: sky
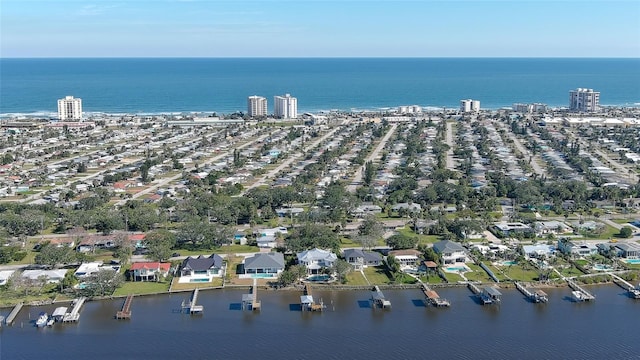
319 28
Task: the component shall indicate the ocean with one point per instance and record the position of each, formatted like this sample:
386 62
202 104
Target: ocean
606 328
174 85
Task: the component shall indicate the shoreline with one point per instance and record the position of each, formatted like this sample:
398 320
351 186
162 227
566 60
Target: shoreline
325 287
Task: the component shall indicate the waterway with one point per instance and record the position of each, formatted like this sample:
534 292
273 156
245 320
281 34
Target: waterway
349 329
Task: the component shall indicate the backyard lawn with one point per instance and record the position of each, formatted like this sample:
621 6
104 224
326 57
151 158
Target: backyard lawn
356 278
377 275
478 274
142 287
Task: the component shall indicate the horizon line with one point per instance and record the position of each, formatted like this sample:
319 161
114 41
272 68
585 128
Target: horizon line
316 57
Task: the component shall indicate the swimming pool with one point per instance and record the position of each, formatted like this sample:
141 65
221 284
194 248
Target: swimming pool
199 280
263 276
457 268
602 267
633 261
509 262
319 278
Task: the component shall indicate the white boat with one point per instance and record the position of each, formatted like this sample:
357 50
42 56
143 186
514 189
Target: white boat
50 321
577 296
43 318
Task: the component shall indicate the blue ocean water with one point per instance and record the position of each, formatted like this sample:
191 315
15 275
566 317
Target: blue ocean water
223 84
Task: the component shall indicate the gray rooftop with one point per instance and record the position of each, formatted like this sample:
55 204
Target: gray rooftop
265 260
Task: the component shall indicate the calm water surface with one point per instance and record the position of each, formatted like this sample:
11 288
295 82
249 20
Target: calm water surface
349 329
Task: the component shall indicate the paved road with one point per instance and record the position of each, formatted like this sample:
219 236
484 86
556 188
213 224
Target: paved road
357 179
448 139
525 152
621 169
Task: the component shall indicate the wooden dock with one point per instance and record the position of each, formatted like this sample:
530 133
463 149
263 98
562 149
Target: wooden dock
74 315
578 293
192 306
633 292
432 297
12 315
537 296
125 311
378 300
308 303
250 301
487 295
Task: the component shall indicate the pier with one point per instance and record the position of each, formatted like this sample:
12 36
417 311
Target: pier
488 295
537 296
74 315
12 315
378 300
307 303
191 306
125 311
432 297
250 301
631 290
578 293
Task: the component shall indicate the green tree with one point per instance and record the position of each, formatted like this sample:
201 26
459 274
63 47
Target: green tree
123 250
369 231
401 241
626 232
341 268
159 244
53 255
102 283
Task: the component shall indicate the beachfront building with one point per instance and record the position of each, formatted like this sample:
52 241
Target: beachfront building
584 100
69 108
575 248
316 260
201 269
451 253
256 106
263 265
469 105
529 108
285 107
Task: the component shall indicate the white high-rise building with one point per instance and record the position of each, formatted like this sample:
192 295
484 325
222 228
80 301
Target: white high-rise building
585 100
69 108
285 107
469 105
256 106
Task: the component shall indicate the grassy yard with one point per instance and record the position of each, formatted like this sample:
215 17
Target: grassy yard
517 273
377 275
571 271
431 278
453 278
192 286
142 287
422 239
478 274
356 278
497 271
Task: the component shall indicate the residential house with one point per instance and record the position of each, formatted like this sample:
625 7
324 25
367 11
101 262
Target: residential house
366 209
629 250
90 268
149 271
316 260
360 259
551 227
539 251
408 258
408 207
263 265
575 248
505 229
201 269
51 276
451 253
5 275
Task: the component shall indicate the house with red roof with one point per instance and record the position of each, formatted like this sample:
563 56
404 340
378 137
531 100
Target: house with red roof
149 271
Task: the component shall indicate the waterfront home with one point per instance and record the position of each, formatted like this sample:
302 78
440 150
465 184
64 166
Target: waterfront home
201 268
575 248
50 276
628 250
408 258
5 275
316 260
360 259
263 265
149 271
87 269
451 253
